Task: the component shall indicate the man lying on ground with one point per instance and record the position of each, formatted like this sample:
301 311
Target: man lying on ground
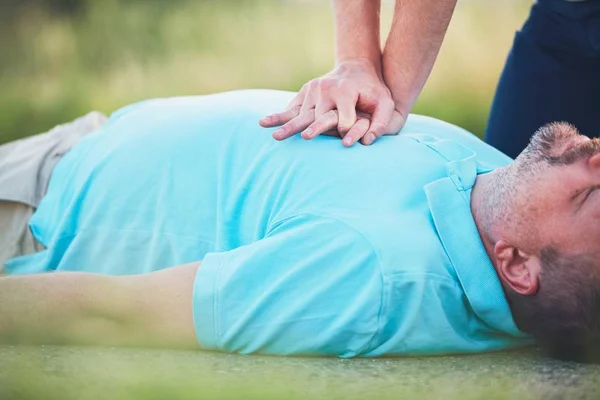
182 224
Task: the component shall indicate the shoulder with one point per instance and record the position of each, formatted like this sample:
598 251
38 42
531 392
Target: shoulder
441 130
330 235
318 223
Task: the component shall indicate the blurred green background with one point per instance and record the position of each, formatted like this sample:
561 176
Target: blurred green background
62 58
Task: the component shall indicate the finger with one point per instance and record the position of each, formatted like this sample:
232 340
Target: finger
346 106
297 124
310 100
328 121
379 121
323 107
324 98
357 131
280 118
299 98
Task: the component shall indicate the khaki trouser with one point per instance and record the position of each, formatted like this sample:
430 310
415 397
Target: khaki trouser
16 238
25 169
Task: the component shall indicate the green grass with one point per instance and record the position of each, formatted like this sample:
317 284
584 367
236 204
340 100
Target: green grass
64 373
57 67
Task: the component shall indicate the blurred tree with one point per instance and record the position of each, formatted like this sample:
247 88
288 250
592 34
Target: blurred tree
61 58
58 6
66 7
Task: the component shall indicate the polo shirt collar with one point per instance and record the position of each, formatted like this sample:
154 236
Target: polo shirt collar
450 204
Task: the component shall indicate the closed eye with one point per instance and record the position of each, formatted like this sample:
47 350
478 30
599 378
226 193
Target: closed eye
580 197
589 192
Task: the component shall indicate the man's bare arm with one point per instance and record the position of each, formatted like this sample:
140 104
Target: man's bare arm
151 310
417 32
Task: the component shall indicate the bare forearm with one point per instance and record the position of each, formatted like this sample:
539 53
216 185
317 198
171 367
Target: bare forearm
417 32
151 310
57 308
357 30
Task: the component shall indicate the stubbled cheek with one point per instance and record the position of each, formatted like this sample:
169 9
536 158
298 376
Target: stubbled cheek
588 240
595 215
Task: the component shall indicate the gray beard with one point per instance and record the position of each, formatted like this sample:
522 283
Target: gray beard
496 203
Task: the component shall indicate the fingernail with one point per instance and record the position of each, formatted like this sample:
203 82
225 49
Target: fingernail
347 140
306 134
370 138
265 120
278 133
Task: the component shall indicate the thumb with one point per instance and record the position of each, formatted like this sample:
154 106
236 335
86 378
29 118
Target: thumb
396 123
379 122
346 107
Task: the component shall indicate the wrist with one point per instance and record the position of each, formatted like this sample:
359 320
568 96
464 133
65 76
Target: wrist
369 64
373 61
405 85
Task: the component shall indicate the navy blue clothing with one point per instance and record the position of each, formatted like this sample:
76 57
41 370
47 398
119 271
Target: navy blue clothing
552 74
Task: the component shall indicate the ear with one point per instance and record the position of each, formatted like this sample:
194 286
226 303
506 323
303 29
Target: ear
594 161
517 269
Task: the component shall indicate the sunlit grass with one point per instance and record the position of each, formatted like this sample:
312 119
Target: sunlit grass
73 373
57 67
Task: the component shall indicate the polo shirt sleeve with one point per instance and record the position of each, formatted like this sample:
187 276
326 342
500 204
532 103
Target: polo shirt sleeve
312 286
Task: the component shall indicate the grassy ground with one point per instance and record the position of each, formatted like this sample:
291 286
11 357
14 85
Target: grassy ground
55 67
64 373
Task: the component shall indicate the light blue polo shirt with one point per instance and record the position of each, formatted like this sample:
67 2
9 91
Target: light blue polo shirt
308 247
